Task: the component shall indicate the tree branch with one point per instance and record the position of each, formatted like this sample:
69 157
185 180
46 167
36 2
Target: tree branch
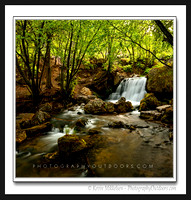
141 46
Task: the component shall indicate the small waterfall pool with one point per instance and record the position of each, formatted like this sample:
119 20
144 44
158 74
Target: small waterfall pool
133 89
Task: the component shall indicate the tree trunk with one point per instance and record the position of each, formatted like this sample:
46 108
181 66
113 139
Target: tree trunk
165 31
48 76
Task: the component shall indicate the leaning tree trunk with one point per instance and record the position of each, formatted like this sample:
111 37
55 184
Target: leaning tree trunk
165 31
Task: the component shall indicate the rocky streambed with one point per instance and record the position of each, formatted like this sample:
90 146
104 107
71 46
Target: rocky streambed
98 145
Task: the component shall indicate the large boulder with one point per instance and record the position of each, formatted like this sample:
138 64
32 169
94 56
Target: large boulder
96 106
105 83
109 106
70 144
160 82
123 106
149 102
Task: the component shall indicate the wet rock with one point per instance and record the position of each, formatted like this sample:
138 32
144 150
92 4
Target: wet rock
81 122
151 115
132 128
117 124
94 131
57 107
39 118
96 106
38 129
121 100
123 106
140 133
20 135
82 99
142 126
91 97
163 108
47 107
149 102
70 144
73 108
109 106
167 116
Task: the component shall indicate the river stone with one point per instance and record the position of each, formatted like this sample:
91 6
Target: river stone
123 106
69 144
93 131
47 107
149 102
81 122
167 116
38 129
121 100
40 117
151 115
109 106
117 124
96 106
163 108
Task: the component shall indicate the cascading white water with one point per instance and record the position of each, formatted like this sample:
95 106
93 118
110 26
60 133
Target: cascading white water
133 89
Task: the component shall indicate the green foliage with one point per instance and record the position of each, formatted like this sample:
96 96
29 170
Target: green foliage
141 65
147 70
118 42
127 68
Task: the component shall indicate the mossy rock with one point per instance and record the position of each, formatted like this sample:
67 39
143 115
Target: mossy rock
123 107
167 116
160 82
149 102
96 106
109 106
69 144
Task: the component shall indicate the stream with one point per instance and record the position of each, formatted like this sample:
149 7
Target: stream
145 151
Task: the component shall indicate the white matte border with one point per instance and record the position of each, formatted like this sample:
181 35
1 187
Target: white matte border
10 11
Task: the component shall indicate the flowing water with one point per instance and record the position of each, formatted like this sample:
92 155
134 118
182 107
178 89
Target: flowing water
133 89
145 151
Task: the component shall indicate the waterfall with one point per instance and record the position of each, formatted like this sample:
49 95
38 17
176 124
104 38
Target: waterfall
133 89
